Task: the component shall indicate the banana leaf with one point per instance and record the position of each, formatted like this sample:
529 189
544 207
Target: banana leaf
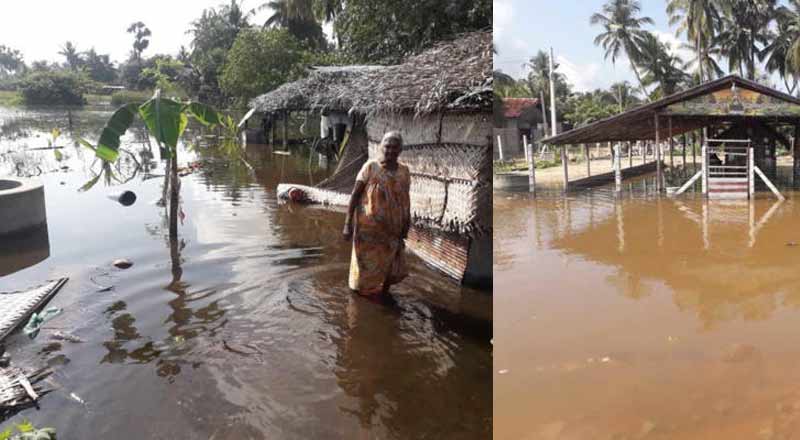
165 119
204 114
108 145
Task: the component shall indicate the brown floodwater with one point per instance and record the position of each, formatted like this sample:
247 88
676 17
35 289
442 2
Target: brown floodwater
638 316
244 327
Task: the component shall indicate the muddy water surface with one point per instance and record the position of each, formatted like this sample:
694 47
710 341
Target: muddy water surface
645 317
244 327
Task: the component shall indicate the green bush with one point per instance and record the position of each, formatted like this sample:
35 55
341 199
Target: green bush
129 96
65 88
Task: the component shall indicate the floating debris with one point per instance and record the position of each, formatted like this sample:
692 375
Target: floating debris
77 398
122 263
61 336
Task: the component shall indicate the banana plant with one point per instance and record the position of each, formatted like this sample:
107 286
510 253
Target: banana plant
166 121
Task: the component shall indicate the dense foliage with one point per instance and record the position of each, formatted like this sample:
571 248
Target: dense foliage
261 60
59 87
387 30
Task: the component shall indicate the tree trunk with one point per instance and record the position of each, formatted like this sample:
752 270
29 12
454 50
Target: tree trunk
173 196
639 78
544 113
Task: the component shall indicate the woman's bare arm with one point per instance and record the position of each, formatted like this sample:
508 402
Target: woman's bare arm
355 198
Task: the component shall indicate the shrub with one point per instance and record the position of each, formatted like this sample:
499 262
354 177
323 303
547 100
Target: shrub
59 87
129 96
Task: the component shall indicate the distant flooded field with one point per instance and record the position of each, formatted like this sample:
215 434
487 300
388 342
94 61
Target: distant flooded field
639 316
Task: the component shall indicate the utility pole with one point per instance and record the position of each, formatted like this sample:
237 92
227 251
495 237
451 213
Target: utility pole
552 97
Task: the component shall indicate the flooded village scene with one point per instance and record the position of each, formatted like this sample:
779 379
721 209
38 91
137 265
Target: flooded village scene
182 255
646 180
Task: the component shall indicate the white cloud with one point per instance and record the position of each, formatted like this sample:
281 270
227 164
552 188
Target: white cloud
583 77
502 15
675 45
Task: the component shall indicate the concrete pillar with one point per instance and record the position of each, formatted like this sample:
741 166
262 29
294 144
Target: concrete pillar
617 168
658 155
588 160
564 164
500 147
531 167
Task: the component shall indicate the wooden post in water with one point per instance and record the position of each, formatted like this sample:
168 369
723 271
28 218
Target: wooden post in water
683 150
588 160
694 150
564 164
796 152
751 175
658 155
617 169
630 155
704 169
531 166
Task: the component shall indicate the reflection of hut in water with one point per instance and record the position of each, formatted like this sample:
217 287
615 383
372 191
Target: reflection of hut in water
441 102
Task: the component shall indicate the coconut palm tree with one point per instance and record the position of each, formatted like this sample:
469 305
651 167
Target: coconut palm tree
743 27
699 20
661 69
296 16
622 32
624 95
777 51
70 52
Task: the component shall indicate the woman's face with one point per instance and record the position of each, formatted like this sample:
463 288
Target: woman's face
391 150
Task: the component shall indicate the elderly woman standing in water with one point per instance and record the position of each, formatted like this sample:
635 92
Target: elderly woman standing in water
378 219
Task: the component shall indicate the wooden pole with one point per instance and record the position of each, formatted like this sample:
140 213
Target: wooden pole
683 150
750 173
552 97
694 150
286 131
630 155
704 169
658 155
611 150
588 160
617 169
643 146
500 147
531 167
564 164
671 160
796 152
525 146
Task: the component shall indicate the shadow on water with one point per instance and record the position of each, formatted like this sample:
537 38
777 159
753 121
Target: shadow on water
243 326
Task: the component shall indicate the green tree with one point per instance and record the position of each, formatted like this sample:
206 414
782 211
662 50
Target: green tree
387 30
73 57
99 67
297 17
538 82
779 47
585 108
56 87
624 95
699 20
140 39
660 68
743 32
261 60
11 62
622 32
213 34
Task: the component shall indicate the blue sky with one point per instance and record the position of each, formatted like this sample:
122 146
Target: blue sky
522 27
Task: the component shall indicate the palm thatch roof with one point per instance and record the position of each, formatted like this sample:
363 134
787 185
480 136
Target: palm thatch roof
455 74
319 90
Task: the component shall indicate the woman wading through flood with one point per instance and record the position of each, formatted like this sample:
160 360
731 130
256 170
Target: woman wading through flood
378 219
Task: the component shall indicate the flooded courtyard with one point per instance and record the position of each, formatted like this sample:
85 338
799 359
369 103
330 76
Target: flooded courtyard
244 326
640 316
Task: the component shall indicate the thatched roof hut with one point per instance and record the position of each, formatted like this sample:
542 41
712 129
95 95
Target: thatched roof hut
441 102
